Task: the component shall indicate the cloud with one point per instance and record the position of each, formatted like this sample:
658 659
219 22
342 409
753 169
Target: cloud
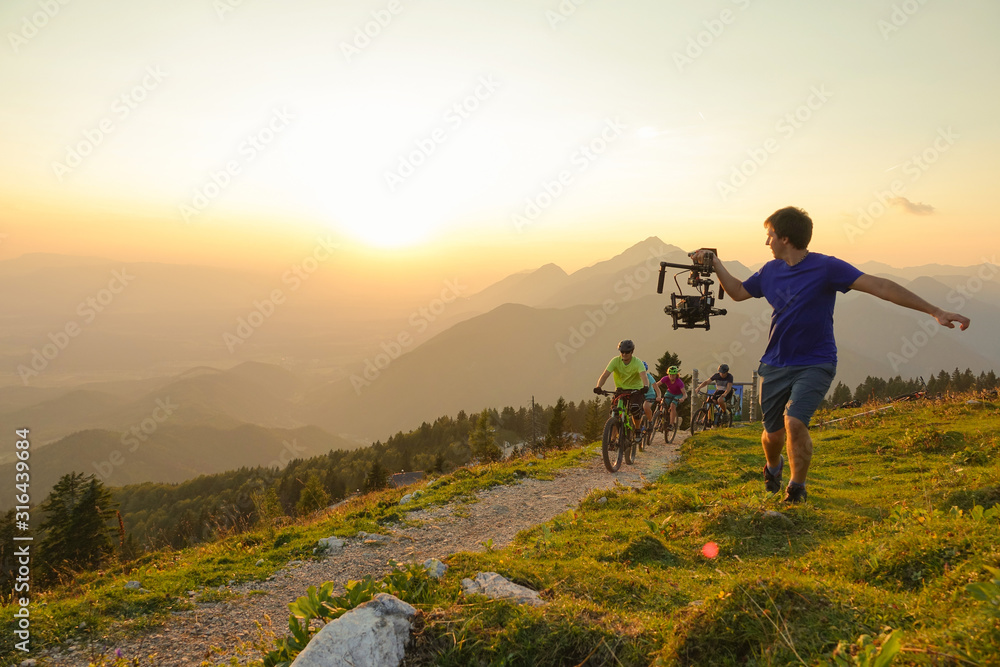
911 207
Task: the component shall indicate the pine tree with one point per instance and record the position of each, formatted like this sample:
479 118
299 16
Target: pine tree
666 361
313 497
439 463
968 381
76 527
267 506
8 562
483 441
943 381
596 416
377 478
556 437
841 394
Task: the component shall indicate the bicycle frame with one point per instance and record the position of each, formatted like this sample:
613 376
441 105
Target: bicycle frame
624 414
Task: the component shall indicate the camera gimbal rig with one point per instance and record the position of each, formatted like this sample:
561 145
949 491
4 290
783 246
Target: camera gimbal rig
693 311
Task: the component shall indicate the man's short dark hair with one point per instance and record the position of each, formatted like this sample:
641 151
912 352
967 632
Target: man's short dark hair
792 223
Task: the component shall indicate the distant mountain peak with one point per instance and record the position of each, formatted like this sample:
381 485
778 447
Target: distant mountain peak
550 268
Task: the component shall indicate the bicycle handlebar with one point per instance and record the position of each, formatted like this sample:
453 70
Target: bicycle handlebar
605 392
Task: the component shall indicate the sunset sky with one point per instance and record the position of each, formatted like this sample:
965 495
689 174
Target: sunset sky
499 135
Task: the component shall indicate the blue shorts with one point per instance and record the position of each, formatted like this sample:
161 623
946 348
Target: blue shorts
795 391
669 398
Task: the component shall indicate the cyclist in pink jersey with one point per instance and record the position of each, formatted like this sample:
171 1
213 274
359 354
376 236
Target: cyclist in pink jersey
674 392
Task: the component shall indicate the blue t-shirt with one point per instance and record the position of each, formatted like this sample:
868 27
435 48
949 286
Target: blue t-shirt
802 297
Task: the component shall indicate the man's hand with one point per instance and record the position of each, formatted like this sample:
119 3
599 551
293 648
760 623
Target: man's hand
598 390
947 319
701 256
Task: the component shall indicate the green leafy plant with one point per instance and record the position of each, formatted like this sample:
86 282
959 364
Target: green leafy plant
867 652
988 592
408 582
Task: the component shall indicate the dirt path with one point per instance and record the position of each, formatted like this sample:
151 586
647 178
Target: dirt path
499 515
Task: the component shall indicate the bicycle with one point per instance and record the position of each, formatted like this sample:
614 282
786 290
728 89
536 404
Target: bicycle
620 439
653 425
669 430
914 396
709 415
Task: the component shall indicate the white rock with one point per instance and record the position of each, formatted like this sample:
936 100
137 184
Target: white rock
331 543
259 562
370 538
602 500
435 568
374 634
405 499
496 587
133 585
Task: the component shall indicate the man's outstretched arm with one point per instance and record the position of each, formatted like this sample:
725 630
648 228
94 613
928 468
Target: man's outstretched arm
734 288
892 291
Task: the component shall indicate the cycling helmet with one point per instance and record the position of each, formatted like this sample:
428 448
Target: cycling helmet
673 370
645 365
626 346
724 368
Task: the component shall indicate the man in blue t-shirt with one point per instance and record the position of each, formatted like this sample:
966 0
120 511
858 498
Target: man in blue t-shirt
799 363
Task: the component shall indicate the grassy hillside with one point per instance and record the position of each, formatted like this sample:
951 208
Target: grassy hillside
903 514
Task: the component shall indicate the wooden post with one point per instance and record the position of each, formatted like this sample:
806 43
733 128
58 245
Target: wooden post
694 393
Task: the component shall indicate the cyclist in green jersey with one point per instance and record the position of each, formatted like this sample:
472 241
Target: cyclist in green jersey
630 374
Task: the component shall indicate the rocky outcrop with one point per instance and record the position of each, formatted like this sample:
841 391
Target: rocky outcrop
496 587
374 634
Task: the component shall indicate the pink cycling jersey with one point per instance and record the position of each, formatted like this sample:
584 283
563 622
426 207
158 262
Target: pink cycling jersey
675 387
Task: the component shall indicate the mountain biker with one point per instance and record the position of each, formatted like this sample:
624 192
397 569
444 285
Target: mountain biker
630 375
674 392
800 360
652 394
722 379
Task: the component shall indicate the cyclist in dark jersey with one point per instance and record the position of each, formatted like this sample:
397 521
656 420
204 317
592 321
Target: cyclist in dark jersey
723 389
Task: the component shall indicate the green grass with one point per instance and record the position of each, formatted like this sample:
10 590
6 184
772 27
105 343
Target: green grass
877 548
95 608
902 515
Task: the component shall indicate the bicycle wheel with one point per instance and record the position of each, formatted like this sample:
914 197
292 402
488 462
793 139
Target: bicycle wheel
627 441
655 427
701 419
611 448
644 438
670 432
727 419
